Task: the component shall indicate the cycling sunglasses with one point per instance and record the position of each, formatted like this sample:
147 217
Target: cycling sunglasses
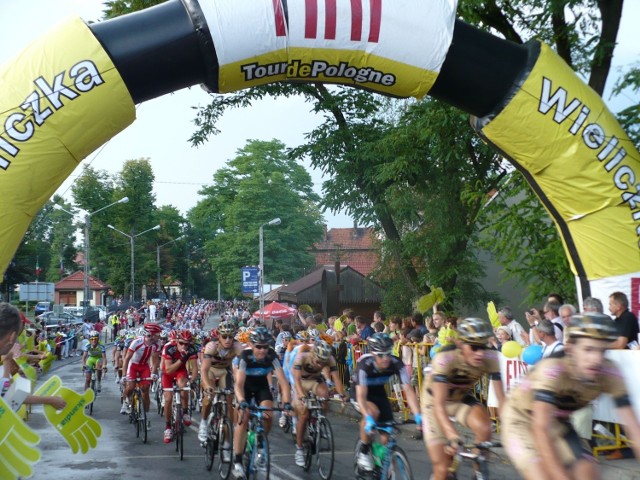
224 337
476 348
261 347
382 354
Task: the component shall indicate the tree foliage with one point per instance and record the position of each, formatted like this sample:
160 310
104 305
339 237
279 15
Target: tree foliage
261 183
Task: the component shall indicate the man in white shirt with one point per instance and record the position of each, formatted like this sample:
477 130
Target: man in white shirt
505 316
152 312
547 335
551 311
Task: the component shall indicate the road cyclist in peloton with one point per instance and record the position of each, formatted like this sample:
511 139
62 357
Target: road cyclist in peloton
312 367
252 370
372 373
177 355
215 369
142 359
94 356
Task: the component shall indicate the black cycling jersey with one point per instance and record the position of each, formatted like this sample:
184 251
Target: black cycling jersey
368 375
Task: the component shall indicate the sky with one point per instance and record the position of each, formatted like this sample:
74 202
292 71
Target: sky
164 125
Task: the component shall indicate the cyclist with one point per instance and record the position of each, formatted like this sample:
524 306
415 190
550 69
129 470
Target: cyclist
310 368
117 354
141 360
448 392
372 374
94 356
536 427
216 368
252 370
177 355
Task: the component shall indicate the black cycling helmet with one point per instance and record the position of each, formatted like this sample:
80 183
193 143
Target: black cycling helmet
380 343
592 325
260 335
475 331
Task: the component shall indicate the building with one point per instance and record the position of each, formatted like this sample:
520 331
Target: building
355 247
70 290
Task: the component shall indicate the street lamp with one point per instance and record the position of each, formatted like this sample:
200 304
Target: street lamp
87 249
158 258
275 221
132 239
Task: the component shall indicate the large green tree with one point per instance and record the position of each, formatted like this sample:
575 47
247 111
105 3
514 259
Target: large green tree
261 183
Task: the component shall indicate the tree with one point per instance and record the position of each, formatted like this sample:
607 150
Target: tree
63 236
259 184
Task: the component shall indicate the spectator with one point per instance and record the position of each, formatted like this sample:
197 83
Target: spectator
555 297
506 318
351 322
321 326
378 327
379 317
418 324
591 304
547 334
551 312
626 322
503 335
395 327
330 322
363 329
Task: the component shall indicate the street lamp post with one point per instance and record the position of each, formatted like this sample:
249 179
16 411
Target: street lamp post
275 221
132 240
87 249
158 259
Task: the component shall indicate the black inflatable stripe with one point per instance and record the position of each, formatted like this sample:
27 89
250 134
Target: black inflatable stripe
160 49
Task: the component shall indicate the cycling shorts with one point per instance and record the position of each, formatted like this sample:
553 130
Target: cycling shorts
92 362
167 379
431 429
260 393
139 370
519 443
222 376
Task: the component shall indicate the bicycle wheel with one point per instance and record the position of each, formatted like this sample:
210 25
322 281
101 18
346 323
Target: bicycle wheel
324 448
135 411
225 446
260 463
142 420
398 468
95 394
179 430
159 397
210 447
307 448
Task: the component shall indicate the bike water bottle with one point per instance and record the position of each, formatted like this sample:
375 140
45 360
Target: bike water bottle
379 452
251 438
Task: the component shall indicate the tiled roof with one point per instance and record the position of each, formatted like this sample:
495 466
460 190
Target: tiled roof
75 281
352 246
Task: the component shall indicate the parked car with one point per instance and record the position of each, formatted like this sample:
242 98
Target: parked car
42 307
51 320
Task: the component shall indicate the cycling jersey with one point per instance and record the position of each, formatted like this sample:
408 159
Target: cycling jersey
96 351
552 381
171 352
309 369
450 368
257 371
141 351
221 357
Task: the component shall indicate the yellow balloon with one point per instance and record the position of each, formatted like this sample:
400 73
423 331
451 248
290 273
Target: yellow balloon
511 349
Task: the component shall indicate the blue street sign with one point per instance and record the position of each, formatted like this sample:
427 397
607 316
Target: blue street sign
250 281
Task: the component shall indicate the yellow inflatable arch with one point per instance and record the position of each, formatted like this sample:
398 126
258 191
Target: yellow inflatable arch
69 92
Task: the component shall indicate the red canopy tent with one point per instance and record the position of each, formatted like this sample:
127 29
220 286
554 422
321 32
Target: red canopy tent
276 310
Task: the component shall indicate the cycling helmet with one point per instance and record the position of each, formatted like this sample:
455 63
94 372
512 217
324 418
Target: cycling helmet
185 336
597 326
260 335
164 334
303 335
94 334
323 350
476 331
285 335
313 333
380 343
226 328
173 335
152 328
